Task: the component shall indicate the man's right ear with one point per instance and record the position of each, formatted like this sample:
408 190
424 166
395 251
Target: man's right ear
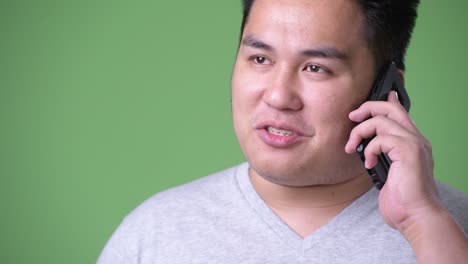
401 74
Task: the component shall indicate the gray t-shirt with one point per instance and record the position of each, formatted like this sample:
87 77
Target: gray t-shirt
221 219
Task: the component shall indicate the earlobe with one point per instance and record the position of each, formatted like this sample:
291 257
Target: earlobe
401 74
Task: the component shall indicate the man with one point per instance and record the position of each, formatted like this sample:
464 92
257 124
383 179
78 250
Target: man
303 72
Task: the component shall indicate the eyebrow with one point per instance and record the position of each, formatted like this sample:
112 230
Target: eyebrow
320 52
257 44
325 52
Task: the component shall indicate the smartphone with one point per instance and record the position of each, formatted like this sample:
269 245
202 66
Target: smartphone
387 80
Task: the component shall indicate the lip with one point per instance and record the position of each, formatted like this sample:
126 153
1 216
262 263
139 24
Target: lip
280 125
279 141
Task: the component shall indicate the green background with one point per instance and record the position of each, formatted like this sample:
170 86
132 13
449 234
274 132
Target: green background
104 103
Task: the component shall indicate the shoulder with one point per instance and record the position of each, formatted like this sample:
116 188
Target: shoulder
174 215
191 200
212 187
456 202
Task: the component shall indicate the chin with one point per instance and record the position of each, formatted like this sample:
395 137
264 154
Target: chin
296 174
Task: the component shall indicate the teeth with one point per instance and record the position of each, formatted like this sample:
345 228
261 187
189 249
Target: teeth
279 132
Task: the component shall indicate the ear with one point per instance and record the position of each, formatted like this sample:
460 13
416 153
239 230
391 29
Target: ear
401 74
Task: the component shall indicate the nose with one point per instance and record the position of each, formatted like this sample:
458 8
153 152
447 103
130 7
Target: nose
282 92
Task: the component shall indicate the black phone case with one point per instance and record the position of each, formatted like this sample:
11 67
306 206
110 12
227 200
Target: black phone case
388 80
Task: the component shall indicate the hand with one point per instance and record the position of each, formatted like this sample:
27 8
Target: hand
410 193
408 201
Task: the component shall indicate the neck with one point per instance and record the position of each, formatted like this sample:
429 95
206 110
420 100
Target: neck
310 197
305 209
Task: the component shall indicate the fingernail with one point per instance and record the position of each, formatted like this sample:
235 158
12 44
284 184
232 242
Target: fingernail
366 164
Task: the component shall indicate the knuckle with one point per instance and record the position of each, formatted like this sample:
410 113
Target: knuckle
355 132
428 147
420 146
379 118
369 151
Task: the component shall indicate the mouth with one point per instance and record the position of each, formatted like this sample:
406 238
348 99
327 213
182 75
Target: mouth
280 135
279 132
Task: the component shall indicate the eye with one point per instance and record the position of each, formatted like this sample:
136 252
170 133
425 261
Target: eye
261 60
314 68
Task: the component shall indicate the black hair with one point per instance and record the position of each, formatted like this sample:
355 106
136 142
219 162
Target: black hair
388 27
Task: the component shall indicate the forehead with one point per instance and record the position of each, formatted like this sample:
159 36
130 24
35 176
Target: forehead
306 22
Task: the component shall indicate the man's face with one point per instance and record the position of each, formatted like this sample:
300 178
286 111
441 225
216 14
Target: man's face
302 66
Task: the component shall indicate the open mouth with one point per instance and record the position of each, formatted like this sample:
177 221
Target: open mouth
279 137
279 132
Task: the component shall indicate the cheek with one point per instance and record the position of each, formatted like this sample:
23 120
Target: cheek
243 96
329 108
246 91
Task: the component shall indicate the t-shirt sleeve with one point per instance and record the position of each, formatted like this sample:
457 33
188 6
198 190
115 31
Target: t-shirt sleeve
128 239
119 247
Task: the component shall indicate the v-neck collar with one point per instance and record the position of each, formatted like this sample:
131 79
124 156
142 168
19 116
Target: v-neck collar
340 225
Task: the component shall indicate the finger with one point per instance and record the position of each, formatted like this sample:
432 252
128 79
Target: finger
405 149
379 125
391 110
393 97
375 108
379 145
